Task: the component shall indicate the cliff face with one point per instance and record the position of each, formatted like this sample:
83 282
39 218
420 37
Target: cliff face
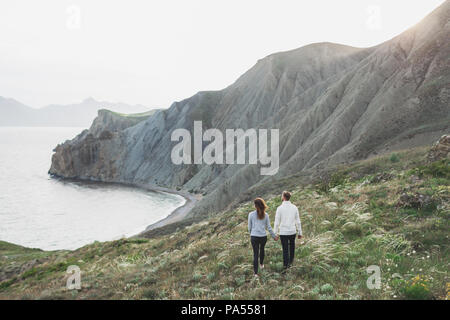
332 104
94 148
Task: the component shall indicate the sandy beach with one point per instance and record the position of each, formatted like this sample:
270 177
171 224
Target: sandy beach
176 215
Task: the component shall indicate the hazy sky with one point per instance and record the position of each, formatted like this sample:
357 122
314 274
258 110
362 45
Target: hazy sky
157 52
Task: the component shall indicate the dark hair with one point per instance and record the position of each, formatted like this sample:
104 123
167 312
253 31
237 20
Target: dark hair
261 207
286 195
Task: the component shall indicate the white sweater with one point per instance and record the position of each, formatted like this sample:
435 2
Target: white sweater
287 220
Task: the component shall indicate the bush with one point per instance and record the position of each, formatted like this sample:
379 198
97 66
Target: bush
330 181
352 229
417 289
5 284
326 288
222 266
394 158
197 277
437 169
211 276
150 293
239 281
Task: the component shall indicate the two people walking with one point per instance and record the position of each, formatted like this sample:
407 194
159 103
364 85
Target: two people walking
287 227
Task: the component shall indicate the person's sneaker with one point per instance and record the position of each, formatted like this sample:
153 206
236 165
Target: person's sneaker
261 266
256 276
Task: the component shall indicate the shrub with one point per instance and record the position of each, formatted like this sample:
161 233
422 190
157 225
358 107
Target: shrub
326 288
211 276
197 277
394 158
337 179
417 289
138 240
352 229
239 281
5 284
437 169
394 242
222 266
330 181
150 293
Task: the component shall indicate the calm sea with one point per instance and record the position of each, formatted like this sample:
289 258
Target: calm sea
41 212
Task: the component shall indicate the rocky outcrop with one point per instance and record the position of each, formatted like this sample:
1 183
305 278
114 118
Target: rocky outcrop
332 104
94 147
440 150
414 200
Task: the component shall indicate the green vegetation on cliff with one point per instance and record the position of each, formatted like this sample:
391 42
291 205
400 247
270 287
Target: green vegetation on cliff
391 211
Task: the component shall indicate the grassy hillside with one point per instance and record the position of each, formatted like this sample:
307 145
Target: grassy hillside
391 211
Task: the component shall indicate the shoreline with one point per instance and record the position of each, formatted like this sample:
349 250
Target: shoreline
176 215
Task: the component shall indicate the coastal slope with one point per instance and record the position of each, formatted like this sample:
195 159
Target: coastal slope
390 211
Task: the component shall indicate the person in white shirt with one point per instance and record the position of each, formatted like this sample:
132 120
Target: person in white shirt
287 224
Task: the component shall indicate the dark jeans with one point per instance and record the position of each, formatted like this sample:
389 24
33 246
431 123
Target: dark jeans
258 244
288 244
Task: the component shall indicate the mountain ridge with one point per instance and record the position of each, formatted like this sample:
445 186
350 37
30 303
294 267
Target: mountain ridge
331 105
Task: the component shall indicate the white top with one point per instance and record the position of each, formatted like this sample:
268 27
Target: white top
287 220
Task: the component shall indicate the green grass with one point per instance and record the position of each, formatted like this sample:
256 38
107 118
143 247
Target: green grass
213 259
135 115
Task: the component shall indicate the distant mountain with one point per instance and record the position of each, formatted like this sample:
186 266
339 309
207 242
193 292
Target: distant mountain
14 113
